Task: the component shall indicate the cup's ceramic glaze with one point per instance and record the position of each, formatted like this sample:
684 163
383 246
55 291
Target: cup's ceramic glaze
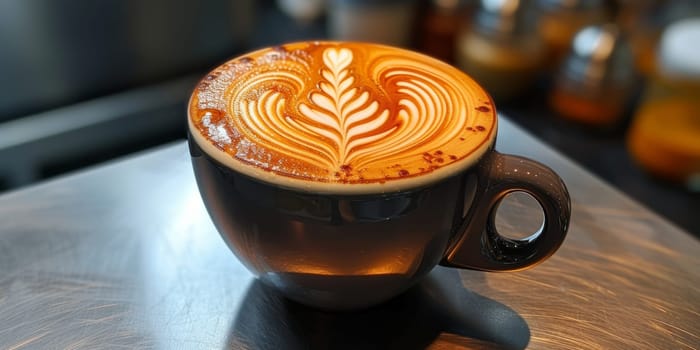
353 251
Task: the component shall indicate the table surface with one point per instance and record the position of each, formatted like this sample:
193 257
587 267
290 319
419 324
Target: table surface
124 256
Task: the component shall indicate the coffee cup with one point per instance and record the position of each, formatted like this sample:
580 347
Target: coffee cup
341 173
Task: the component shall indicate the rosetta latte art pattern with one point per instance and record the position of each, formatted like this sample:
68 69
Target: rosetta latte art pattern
334 112
338 120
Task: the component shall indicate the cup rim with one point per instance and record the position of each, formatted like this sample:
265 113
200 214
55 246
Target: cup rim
338 188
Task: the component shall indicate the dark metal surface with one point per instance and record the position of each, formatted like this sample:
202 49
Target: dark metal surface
124 255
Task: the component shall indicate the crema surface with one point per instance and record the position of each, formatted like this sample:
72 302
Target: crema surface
343 113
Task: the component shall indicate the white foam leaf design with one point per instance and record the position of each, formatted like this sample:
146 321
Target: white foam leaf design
340 112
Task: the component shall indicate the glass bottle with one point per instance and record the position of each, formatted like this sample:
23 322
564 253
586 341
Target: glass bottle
560 20
664 136
440 23
595 82
501 49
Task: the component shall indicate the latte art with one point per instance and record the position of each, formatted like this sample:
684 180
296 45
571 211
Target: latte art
341 112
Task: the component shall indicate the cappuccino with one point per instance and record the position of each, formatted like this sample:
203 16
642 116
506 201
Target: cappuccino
325 115
342 173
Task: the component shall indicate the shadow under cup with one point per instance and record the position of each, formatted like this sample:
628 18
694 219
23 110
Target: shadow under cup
354 251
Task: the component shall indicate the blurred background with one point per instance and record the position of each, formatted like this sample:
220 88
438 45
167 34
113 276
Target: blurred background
612 84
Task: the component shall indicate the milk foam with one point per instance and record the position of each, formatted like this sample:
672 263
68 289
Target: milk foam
332 114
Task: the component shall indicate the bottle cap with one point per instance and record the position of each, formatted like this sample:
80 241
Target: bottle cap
505 18
679 49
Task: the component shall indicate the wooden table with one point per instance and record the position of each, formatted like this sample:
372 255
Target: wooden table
124 256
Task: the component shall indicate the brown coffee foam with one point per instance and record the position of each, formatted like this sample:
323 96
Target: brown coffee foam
341 113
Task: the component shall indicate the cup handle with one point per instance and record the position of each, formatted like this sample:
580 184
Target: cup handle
481 247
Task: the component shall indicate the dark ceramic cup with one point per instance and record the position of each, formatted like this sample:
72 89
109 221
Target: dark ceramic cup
353 251
271 131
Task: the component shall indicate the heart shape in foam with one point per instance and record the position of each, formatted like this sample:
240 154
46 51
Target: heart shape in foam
337 59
